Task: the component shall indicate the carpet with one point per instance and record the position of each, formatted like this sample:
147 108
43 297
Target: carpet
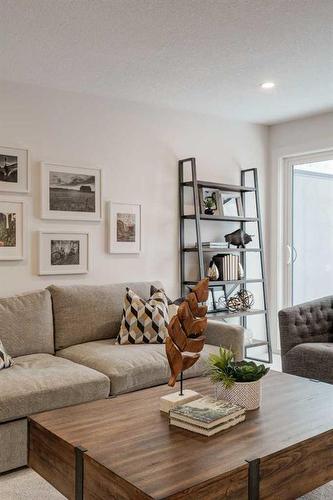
25 484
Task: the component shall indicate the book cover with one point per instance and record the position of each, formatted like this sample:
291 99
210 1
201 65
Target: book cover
207 412
224 269
213 244
207 432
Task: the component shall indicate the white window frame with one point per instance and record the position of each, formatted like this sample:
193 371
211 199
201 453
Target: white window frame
286 220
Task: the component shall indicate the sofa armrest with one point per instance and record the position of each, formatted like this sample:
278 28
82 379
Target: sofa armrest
308 322
229 336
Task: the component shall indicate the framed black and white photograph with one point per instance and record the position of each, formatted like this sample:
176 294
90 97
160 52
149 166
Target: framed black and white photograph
14 170
12 229
124 228
210 201
63 253
231 204
71 193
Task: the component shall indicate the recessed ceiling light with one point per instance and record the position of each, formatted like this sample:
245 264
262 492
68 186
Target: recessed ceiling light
267 85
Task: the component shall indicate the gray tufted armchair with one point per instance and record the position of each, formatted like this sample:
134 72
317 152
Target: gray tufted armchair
306 333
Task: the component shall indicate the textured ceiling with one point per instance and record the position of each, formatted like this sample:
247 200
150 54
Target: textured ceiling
202 55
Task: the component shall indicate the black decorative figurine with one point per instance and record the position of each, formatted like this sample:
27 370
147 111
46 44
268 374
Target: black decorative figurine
239 238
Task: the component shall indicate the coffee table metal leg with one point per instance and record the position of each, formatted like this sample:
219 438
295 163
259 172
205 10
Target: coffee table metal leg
79 452
253 481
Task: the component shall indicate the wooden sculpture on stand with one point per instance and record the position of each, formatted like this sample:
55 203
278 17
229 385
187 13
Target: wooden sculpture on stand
185 341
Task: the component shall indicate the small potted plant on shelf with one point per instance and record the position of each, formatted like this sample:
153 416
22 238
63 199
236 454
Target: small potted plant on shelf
237 382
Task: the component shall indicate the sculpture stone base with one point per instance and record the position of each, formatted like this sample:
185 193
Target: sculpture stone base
171 400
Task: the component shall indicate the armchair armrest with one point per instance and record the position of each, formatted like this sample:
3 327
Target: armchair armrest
308 322
229 336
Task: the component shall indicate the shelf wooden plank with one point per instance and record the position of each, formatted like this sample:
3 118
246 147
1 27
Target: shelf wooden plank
222 218
229 282
221 250
222 187
227 314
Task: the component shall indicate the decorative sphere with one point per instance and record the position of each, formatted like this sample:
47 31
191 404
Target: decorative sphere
242 301
234 304
247 298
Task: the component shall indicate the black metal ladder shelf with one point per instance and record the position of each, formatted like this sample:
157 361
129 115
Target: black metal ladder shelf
195 185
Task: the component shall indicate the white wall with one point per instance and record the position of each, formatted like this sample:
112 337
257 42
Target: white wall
292 138
138 148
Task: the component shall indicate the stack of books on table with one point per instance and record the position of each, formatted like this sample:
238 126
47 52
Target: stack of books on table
206 416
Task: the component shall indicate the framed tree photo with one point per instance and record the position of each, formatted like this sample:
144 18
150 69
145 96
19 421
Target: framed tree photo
12 229
124 227
14 170
210 201
71 193
63 253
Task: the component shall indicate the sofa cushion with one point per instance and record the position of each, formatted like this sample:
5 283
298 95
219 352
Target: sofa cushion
40 382
312 360
131 367
144 321
84 313
14 446
26 323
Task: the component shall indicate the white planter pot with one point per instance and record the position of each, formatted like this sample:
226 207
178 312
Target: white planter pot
246 394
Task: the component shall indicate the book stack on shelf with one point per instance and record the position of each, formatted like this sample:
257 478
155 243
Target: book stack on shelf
231 267
214 244
206 416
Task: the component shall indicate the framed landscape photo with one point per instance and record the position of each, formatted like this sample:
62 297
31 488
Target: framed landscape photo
71 193
63 253
231 204
14 170
12 229
124 228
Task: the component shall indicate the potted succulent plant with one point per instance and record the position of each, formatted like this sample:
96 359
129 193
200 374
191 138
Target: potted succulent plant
238 382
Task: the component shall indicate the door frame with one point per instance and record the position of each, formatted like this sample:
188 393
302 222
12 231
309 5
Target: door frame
286 218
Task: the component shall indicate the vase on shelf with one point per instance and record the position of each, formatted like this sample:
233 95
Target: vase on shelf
213 272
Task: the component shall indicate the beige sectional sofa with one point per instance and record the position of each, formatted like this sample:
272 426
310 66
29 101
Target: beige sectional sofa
63 341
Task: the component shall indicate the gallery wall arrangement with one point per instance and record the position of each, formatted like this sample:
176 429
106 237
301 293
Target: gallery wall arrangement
68 193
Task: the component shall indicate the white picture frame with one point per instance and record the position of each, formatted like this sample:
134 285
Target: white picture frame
124 220
14 170
66 191
12 228
214 196
59 251
231 204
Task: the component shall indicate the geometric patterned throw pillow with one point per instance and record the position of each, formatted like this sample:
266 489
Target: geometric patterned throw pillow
172 304
5 360
144 321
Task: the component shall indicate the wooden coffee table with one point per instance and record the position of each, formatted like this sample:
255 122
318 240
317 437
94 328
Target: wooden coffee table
123 448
